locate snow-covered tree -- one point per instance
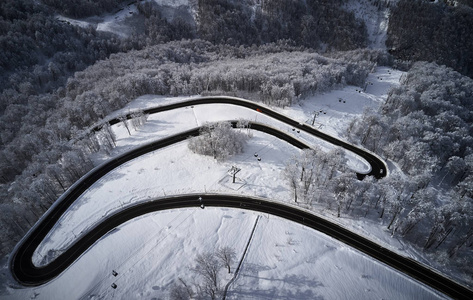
(218, 140)
(311, 171)
(138, 119)
(124, 120)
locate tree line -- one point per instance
(421, 30)
(317, 24)
(425, 129)
(46, 142)
(81, 9)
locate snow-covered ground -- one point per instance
(149, 176)
(172, 3)
(285, 260)
(112, 23)
(376, 19)
(119, 22)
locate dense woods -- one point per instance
(425, 128)
(318, 24)
(34, 168)
(80, 9)
(39, 52)
(57, 80)
(438, 32)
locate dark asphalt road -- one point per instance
(21, 261)
(29, 275)
(378, 167)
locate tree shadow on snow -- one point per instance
(289, 287)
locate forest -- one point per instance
(49, 144)
(428, 134)
(58, 80)
(425, 129)
(435, 32)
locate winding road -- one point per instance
(378, 167)
(26, 273)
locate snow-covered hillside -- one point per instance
(123, 24)
(375, 14)
(150, 253)
(196, 174)
(59, 80)
(113, 23)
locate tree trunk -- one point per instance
(430, 239)
(444, 237)
(396, 212)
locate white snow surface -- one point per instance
(115, 23)
(285, 260)
(74, 22)
(149, 176)
(376, 20)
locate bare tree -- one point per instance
(124, 121)
(226, 255)
(181, 291)
(106, 138)
(108, 132)
(291, 174)
(178, 292)
(138, 119)
(208, 267)
(312, 169)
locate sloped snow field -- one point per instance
(284, 260)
